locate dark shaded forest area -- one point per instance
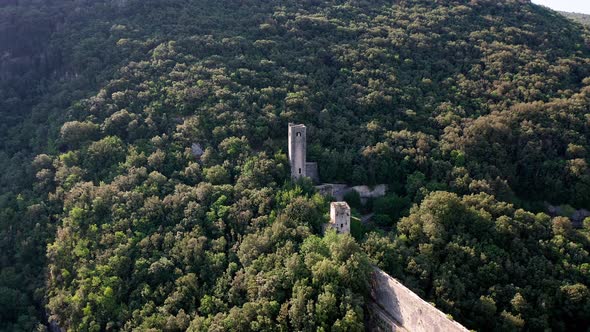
(475, 114)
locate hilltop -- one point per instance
(581, 18)
(475, 115)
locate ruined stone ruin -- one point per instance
(298, 154)
(340, 217)
(338, 191)
(393, 307)
(297, 149)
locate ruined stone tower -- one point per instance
(340, 217)
(297, 150)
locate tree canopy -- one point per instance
(474, 113)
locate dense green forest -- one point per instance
(580, 18)
(476, 114)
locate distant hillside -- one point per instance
(581, 18)
(475, 113)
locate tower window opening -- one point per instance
(300, 171)
(298, 134)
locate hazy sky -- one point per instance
(577, 6)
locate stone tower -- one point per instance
(297, 150)
(340, 217)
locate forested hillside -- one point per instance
(581, 18)
(475, 114)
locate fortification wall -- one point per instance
(407, 309)
(339, 190)
(311, 171)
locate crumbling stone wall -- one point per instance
(311, 171)
(397, 306)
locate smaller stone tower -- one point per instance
(297, 150)
(340, 217)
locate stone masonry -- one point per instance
(340, 217)
(396, 308)
(297, 150)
